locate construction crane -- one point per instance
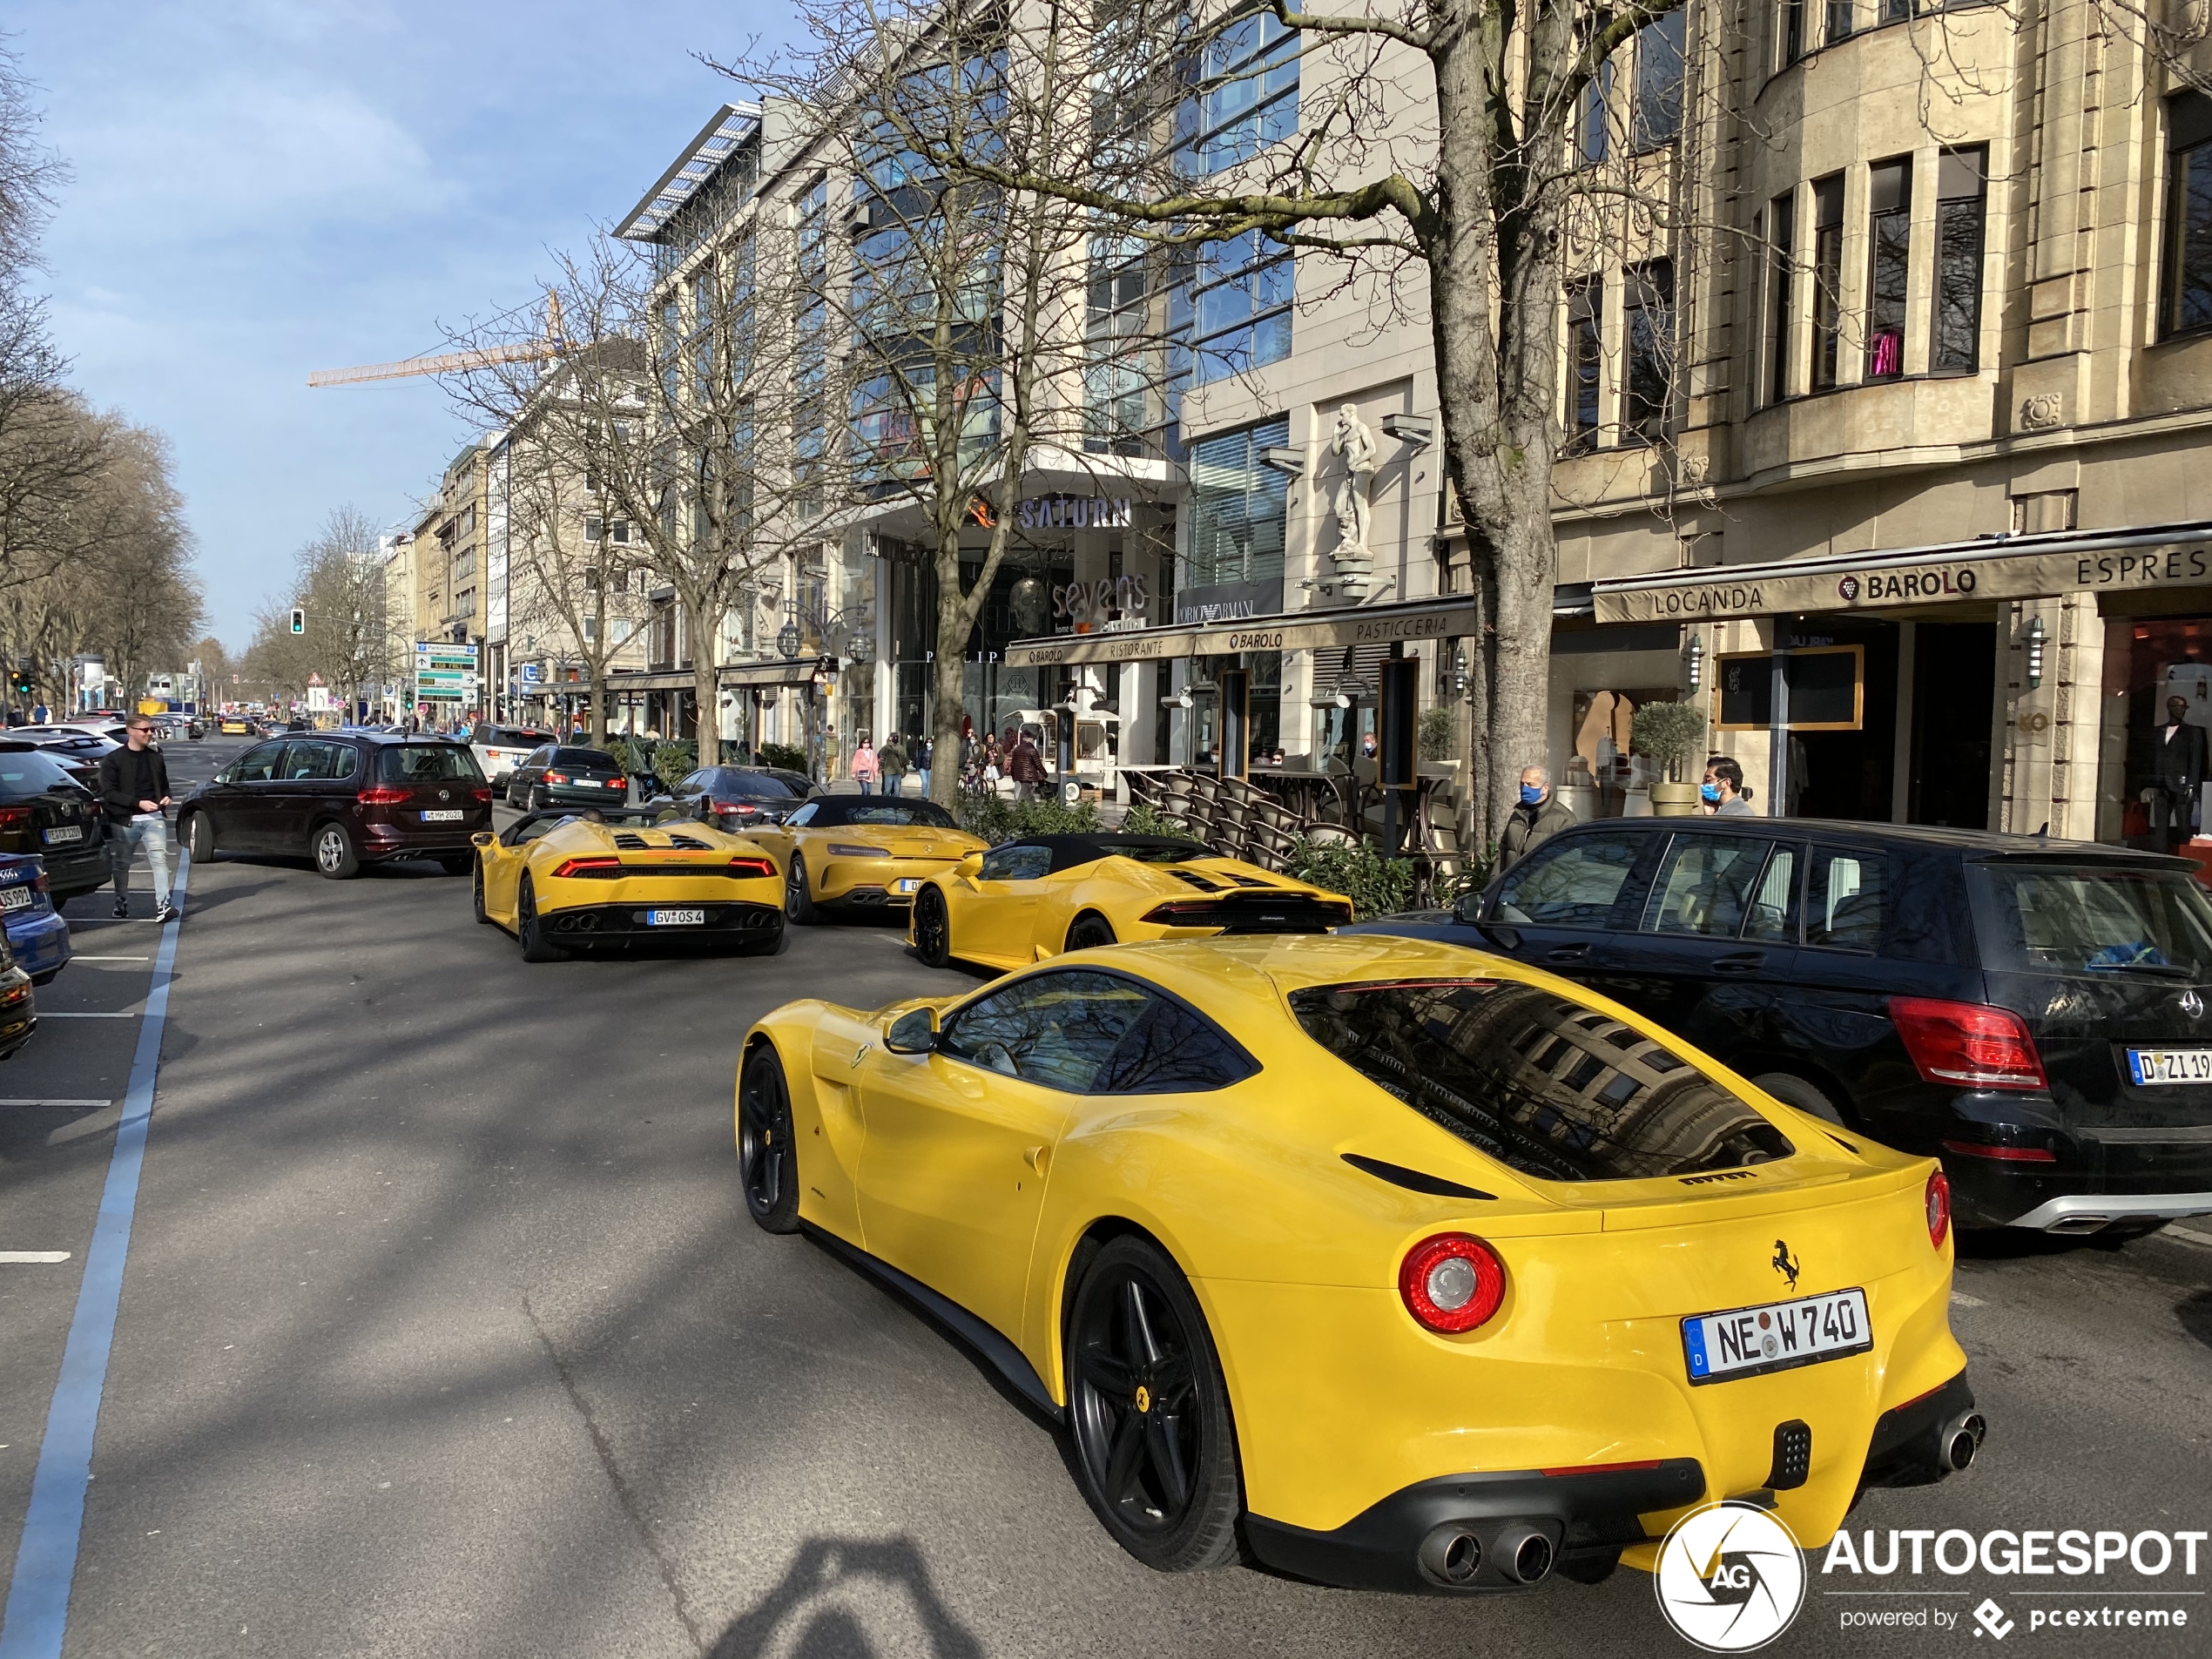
(551, 343)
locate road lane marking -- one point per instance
(2188, 1234)
(58, 1014)
(109, 959)
(37, 1615)
(33, 1256)
(93, 1104)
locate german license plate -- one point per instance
(907, 884)
(1776, 1336)
(2153, 1066)
(15, 898)
(675, 919)
(62, 836)
(443, 815)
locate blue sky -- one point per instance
(264, 189)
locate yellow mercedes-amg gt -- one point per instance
(1023, 901)
(573, 878)
(862, 852)
(1432, 1270)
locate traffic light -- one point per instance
(24, 681)
(298, 620)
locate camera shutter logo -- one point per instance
(1847, 589)
(1731, 1578)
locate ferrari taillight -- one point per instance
(603, 866)
(746, 868)
(1938, 1200)
(1452, 1283)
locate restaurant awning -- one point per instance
(1995, 567)
(782, 671)
(1444, 618)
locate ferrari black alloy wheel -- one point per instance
(1154, 1443)
(767, 1162)
(530, 927)
(798, 898)
(933, 928)
(1090, 931)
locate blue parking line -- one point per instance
(37, 1611)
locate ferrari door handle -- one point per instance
(1741, 961)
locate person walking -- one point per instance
(1723, 790)
(923, 750)
(1539, 816)
(134, 797)
(864, 765)
(1026, 763)
(891, 763)
(993, 765)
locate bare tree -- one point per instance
(357, 633)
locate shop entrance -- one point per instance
(1954, 691)
(1841, 692)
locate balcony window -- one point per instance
(1827, 277)
(2189, 214)
(1656, 114)
(1889, 238)
(1791, 30)
(1591, 136)
(1648, 319)
(1585, 362)
(1782, 221)
(1840, 21)
(1961, 194)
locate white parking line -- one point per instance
(111, 959)
(2188, 1235)
(33, 1256)
(60, 1015)
(56, 1101)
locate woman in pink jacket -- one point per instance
(864, 766)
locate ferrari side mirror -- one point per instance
(482, 838)
(913, 1032)
(969, 865)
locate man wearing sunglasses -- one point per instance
(134, 795)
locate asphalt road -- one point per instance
(444, 1333)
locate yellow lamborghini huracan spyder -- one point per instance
(1434, 1271)
(571, 878)
(862, 852)
(1024, 900)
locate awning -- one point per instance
(619, 679)
(1446, 618)
(1996, 567)
(790, 671)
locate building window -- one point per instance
(2189, 212)
(1839, 21)
(1585, 362)
(1648, 319)
(1781, 218)
(1245, 98)
(1888, 264)
(1792, 31)
(1827, 277)
(1116, 327)
(809, 426)
(1238, 507)
(1654, 117)
(701, 347)
(1896, 11)
(1961, 177)
(1590, 124)
(1232, 304)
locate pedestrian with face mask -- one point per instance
(1722, 791)
(1539, 816)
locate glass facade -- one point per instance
(1238, 509)
(1231, 303)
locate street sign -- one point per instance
(444, 671)
(533, 673)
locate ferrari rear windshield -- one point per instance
(872, 809)
(1546, 1087)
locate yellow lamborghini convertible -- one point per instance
(1024, 900)
(1413, 1268)
(862, 852)
(571, 878)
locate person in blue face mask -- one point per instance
(1538, 817)
(1723, 788)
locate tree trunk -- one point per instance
(948, 674)
(597, 676)
(706, 689)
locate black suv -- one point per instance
(2037, 1014)
(344, 799)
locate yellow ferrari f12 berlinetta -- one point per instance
(1398, 1264)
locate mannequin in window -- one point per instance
(2178, 766)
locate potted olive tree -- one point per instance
(1669, 733)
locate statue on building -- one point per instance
(1355, 445)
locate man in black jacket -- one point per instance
(134, 795)
(1538, 817)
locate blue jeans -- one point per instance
(867, 784)
(891, 781)
(923, 774)
(147, 830)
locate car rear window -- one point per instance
(2049, 919)
(513, 737)
(32, 774)
(1545, 1086)
(757, 784)
(427, 763)
(588, 760)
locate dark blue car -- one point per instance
(36, 932)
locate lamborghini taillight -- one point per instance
(746, 869)
(588, 867)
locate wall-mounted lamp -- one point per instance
(1696, 660)
(1291, 461)
(1416, 429)
(2034, 652)
(1459, 672)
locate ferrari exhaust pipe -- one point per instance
(1451, 1555)
(1524, 1554)
(1959, 1439)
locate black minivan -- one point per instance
(344, 799)
(2037, 1014)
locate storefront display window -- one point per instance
(2151, 768)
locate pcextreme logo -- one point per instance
(1730, 1578)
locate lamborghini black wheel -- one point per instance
(1090, 932)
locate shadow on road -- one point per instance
(2196, 1316)
(851, 1598)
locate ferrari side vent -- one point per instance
(1414, 1180)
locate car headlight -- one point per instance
(849, 850)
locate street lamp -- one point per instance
(2034, 652)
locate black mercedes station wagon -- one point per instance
(2037, 1014)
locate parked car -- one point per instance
(344, 799)
(38, 937)
(732, 798)
(80, 752)
(557, 775)
(2038, 1013)
(499, 749)
(19, 1004)
(45, 811)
